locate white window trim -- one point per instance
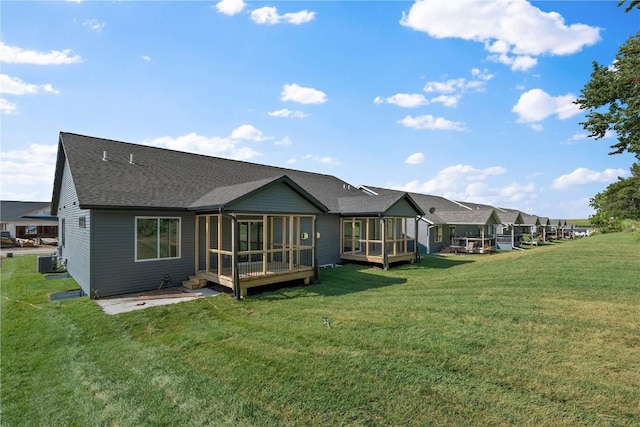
(158, 218)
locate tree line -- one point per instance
(612, 100)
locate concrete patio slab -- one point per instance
(142, 300)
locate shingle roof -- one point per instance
(426, 202)
(16, 211)
(510, 216)
(473, 217)
(222, 196)
(529, 219)
(373, 205)
(162, 178)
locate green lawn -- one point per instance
(548, 336)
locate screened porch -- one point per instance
(379, 240)
(242, 251)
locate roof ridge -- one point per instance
(204, 155)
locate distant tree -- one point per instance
(616, 86)
(620, 200)
(612, 100)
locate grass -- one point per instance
(548, 336)
(582, 222)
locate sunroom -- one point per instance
(249, 242)
(379, 229)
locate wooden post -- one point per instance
(316, 270)
(290, 242)
(207, 240)
(219, 247)
(366, 241)
(385, 257)
(265, 222)
(235, 235)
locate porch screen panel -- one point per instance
(226, 234)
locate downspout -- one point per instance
(417, 241)
(385, 256)
(316, 270)
(429, 238)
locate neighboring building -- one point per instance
(447, 223)
(28, 220)
(131, 215)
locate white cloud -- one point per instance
(7, 107)
(415, 159)
(15, 86)
(230, 7)
(537, 127)
(536, 105)
(451, 90)
(447, 86)
(247, 132)
(303, 95)
(429, 122)
(146, 58)
(583, 176)
(94, 24)
(16, 55)
(452, 179)
(285, 112)
(284, 141)
(467, 183)
(211, 146)
(291, 161)
(406, 100)
(26, 174)
(514, 32)
(517, 63)
(447, 100)
(326, 160)
(269, 15)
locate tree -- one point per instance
(618, 88)
(620, 200)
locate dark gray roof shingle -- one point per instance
(426, 202)
(161, 178)
(15, 210)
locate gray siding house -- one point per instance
(132, 215)
(448, 223)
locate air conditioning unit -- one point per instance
(46, 264)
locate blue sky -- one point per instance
(471, 100)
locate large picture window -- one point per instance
(157, 238)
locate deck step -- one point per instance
(195, 283)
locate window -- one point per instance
(157, 238)
(438, 236)
(63, 232)
(82, 222)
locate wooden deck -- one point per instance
(378, 259)
(276, 272)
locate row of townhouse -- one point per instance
(131, 215)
